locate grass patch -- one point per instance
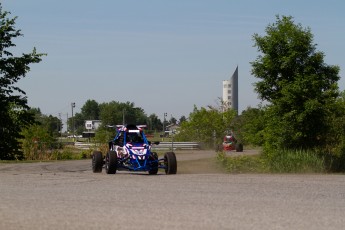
(283, 161)
(296, 161)
(242, 164)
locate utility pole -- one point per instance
(165, 114)
(67, 123)
(60, 125)
(73, 105)
(123, 116)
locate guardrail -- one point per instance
(84, 145)
(177, 145)
(161, 146)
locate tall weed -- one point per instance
(296, 161)
(280, 161)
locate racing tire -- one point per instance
(154, 166)
(97, 162)
(239, 147)
(111, 162)
(170, 163)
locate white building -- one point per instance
(91, 126)
(230, 92)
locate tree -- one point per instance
(116, 113)
(300, 88)
(155, 123)
(206, 125)
(182, 119)
(13, 103)
(90, 110)
(172, 121)
(250, 125)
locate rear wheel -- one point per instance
(97, 162)
(170, 163)
(239, 147)
(154, 165)
(111, 162)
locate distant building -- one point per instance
(171, 130)
(91, 126)
(230, 92)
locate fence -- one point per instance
(176, 146)
(161, 146)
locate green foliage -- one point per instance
(242, 164)
(50, 123)
(37, 142)
(299, 86)
(250, 126)
(70, 154)
(14, 110)
(154, 123)
(277, 161)
(116, 113)
(104, 135)
(296, 161)
(90, 110)
(206, 125)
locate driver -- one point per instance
(134, 137)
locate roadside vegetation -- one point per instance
(300, 125)
(284, 161)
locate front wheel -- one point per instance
(111, 162)
(154, 164)
(170, 163)
(97, 162)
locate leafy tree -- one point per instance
(155, 123)
(249, 126)
(52, 125)
(115, 113)
(13, 103)
(79, 124)
(206, 125)
(299, 86)
(182, 119)
(172, 121)
(90, 110)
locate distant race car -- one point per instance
(130, 150)
(230, 143)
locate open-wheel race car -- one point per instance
(130, 150)
(230, 143)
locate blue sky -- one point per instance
(163, 55)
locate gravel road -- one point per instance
(67, 195)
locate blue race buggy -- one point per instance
(130, 150)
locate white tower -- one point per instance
(230, 92)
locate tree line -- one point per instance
(117, 113)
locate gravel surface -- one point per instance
(67, 195)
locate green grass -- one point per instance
(296, 161)
(283, 161)
(242, 164)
